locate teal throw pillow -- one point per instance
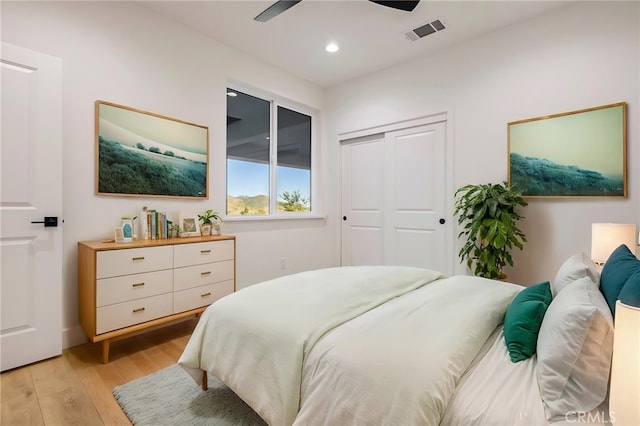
(630, 294)
(523, 320)
(620, 266)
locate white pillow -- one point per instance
(577, 266)
(574, 350)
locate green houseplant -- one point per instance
(208, 221)
(489, 216)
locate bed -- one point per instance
(408, 346)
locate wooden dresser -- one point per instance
(127, 288)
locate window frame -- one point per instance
(276, 101)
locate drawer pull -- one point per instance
(205, 251)
(138, 310)
(205, 273)
(138, 258)
(206, 294)
(137, 285)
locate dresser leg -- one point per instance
(205, 382)
(105, 351)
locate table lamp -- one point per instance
(606, 237)
(624, 397)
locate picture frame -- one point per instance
(143, 154)
(118, 235)
(579, 153)
(189, 225)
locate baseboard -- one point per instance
(73, 336)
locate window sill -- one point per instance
(273, 217)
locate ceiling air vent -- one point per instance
(424, 30)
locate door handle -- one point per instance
(49, 221)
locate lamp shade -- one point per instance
(606, 237)
(624, 398)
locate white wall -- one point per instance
(584, 55)
(579, 56)
(123, 53)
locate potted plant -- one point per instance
(490, 218)
(208, 221)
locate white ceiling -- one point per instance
(371, 36)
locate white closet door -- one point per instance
(415, 197)
(362, 201)
(394, 199)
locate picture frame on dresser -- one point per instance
(189, 225)
(144, 154)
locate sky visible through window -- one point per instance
(248, 178)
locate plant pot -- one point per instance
(205, 230)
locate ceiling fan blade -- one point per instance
(275, 9)
(399, 4)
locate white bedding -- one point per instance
(256, 340)
(497, 392)
(399, 364)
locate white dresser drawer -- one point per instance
(124, 314)
(200, 296)
(199, 253)
(209, 273)
(132, 287)
(113, 263)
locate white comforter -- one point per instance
(399, 363)
(256, 340)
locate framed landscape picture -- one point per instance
(143, 154)
(573, 154)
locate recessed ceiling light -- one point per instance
(232, 94)
(332, 47)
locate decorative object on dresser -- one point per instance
(123, 289)
(209, 221)
(188, 225)
(490, 218)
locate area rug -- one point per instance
(171, 397)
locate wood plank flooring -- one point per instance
(76, 387)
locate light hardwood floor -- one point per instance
(76, 387)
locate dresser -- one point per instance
(126, 288)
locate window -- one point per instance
(268, 157)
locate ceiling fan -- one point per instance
(281, 5)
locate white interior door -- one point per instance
(31, 189)
(394, 198)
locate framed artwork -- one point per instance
(143, 154)
(573, 154)
(189, 225)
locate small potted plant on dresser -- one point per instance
(209, 223)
